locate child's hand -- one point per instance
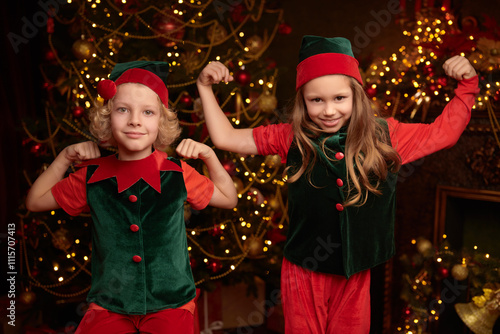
(191, 149)
(459, 68)
(214, 73)
(82, 151)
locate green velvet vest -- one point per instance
(140, 261)
(323, 236)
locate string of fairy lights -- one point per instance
(105, 29)
(407, 82)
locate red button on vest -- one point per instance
(132, 198)
(134, 228)
(340, 183)
(137, 258)
(339, 207)
(339, 155)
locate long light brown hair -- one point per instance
(369, 155)
(100, 124)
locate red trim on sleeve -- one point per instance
(273, 139)
(71, 193)
(199, 187)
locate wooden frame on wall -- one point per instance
(443, 193)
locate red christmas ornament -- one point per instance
(35, 271)
(372, 92)
(237, 14)
(50, 25)
(271, 63)
(169, 29)
(78, 111)
(229, 166)
(444, 272)
(47, 85)
(214, 265)
(38, 149)
(192, 263)
(284, 29)
(242, 77)
(443, 81)
(50, 55)
(275, 235)
(215, 231)
(186, 100)
(26, 141)
(429, 70)
(496, 97)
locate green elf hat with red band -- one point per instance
(320, 56)
(152, 74)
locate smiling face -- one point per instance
(134, 120)
(329, 101)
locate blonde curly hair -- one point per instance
(100, 124)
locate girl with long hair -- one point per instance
(341, 164)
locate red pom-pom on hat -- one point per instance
(106, 89)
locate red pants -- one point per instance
(324, 303)
(174, 321)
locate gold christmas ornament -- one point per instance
(459, 272)
(268, 102)
(62, 239)
(83, 49)
(238, 184)
(216, 33)
(490, 50)
(198, 108)
(274, 203)
(254, 44)
(192, 60)
(423, 245)
(27, 297)
(273, 161)
(255, 247)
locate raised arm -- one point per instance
(224, 195)
(40, 197)
(416, 140)
(223, 134)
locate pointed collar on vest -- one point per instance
(127, 173)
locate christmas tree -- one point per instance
(85, 39)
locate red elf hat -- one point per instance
(152, 74)
(320, 56)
